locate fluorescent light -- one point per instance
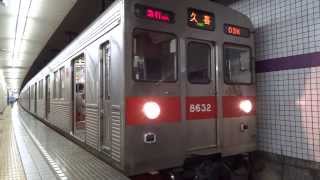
(24, 8)
(37, 8)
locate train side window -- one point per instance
(198, 63)
(41, 89)
(61, 82)
(237, 64)
(35, 91)
(155, 56)
(55, 84)
(31, 92)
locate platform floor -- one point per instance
(30, 150)
(10, 162)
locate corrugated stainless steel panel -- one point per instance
(31, 106)
(92, 125)
(61, 114)
(116, 133)
(41, 108)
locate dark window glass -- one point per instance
(35, 90)
(40, 90)
(61, 83)
(55, 85)
(31, 92)
(155, 56)
(198, 62)
(237, 64)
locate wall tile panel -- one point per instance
(288, 98)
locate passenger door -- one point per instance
(47, 96)
(35, 97)
(29, 98)
(105, 96)
(79, 97)
(201, 96)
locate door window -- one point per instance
(198, 62)
(106, 63)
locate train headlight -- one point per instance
(151, 110)
(246, 106)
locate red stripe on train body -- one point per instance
(169, 110)
(197, 108)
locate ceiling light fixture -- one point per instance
(24, 8)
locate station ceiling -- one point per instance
(37, 30)
(26, 26)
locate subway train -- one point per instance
(151, 84)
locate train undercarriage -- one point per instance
(213, 167)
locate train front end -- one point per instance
(190, 88)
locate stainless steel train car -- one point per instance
(152, 83)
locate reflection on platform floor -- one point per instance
(10, 163)
(35, 165)
(68, 160)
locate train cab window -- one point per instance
(155, 56)
(237, 61)
(198, 62)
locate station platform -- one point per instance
(30, 150)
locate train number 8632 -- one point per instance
(200, 108)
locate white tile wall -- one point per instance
(283, 27)
(288, 104)
(288, 101)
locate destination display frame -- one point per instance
(154, 14)
(200, 19)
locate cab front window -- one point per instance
(154, 56)
(237, 64)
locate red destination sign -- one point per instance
(236, 31)
(155, 14)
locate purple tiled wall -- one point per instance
(287, 63)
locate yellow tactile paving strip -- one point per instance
(11, 167)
